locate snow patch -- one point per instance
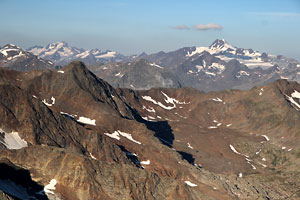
(12, 140)
(146, 162)
(69, 115)
(150, 109)
(240, 175)
(190, 184)
(87, 120)
(266, 137)
(51, 186)
(216, 99)
(147, 119)
(107, 55)
(293, 102)
(189, 146)
(249, 162)
(93, 157)
(228, 125)
(119, 74)
(235, 151)
(258, 152)
(167, 100)
(210, 127)
(296, 94)
(49, 104)
(60, 71)
(116, 135)
(263, 165)
(155, 65)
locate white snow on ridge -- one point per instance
(210, 73)
(147, 162)
(93, 157)
(216, 99)
(150, 109)
(190, 184)
(254, 62)
(189, 146)
(167, 100)
(148, 119)
(60, 71)
(69, 115)
(129, 137)
(116, 135)
(87, 120)
(216, 66)
(235, 151)
(198, 51)
(109, 54)
(119, 74)
(49, 104)
(266, 137)
(243, 73)
(13, 141)
(51, 186)
(210, 127)
(296, 94)
(293, 101)
(156, 65)
(148, 98)
(249, 162)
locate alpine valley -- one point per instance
(209, 123)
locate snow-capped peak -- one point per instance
(57, 45)
(11, 51)
(61, 53)
(226, 52)
(220, 45)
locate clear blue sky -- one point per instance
(134, 26)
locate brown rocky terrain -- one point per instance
(73, 136)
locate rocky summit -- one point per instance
(67, 134)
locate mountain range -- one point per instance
(217, 67)
(61, 54)
(67, 134)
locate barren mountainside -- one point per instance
(67, 134)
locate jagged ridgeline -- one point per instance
(218, 67)
(67, 134)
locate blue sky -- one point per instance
(134, 26)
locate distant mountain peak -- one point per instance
(57, 45)
(11, 46)
(61, 53)
(220, 44)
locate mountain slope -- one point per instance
(79, 138)
(140, 75)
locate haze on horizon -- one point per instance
(135, 26)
